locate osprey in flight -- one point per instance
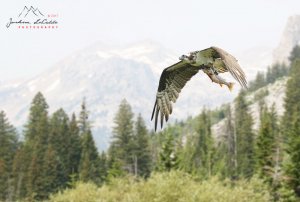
(211, 61)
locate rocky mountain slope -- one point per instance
(272, 94)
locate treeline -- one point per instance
(56, 151)
(274, 72)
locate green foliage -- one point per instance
(36, 136)
(244, 138)
(122, 138)
(8, 148)
(198, 157)
(168, 157)
(272, 74)
(291, 126)
(275, 72)
(36, 128)
(266, 139)
(259, 82)
(167, 187)
(84, 123)
(52, 153)
(269, 150)
(218, 114)
(230, 160)
(260, 95)
(103, 167)
(19, 171)
(89, 165)
(74, 147)
(89, 161)
(295, 54)
(53, 172)
(141, 150)
(59, 133)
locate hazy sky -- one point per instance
(181, 26)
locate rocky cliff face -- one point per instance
(290, 37)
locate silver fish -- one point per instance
(217, 79)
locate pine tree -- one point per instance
(267, 143)
(53, 172)
(197, 155)
(8, 148)
(20, 171)
(259, 82)
(204, 148)
(103, 167)
(244, 138)
(186, 154)
(114, 167)
(74, 147)
(58, 148)
(122, 138)
(84, 123)
(168, 158)
(36, 137)
(276, 71)
(141, 158)
(291, 126)
(89, 161)
(295, 54)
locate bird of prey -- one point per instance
(211, 61)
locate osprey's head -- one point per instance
(189, 59)
(183, 57)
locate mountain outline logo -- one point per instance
(33, 10)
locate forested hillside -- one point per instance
(57, 159)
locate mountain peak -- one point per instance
(290, 37)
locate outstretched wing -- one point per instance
(232, 65)
(171, 81)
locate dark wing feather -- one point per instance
(171, 81)
(232, 66)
